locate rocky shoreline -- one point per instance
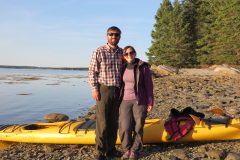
(200, 91)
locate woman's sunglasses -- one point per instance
(116, 34)
(130, 53)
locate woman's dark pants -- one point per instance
(131, 121)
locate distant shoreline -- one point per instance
(44, 68)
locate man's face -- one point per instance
(113, 37)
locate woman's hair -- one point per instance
(125, 50)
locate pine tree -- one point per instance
(156, 54)
(174, 40)
(221, 44)
(204, 30)
(205, 19)
(191, 19)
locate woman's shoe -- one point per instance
(133, 156)
(126, 155)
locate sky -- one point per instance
(64, 33)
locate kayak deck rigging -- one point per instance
(4, 128)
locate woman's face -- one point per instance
(130, 55)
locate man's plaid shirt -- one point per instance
(105, 67)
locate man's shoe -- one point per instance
(114, 153)
(99, 157)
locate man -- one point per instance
(104, 79)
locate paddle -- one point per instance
(195, 118)
(219, 112)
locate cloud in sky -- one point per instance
(61, 33)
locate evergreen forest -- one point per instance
(193, 33)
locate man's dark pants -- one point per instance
(107, 112)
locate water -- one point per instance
(43, 72)
(48, 91)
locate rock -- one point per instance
(217, 154)
(226, 72)
(173, 87)
(173, 70)
(180, 153)
(82, 118)
(226, 66)
(200, 155)
(169, 157)
(153, 66)
(166, 70)
(214, 66)
(208, 114)
(202, 107)
(40, 155)
(88, 114)
(218, 104)
(68, 153)
(83, 150)
(93, 116)
(232, 111)
(220, 67)
(153, 74)
(93, 109)
(163, 70)
(51, 147)
(55, 117)
(232, 156)
(196, 158)
(202, 150)
(219, 94)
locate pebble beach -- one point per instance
(196, 88)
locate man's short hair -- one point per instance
(114, 28)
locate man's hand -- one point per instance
(96, 95)
(149, 108)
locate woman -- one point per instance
(137, 98)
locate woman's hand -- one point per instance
(149, 108)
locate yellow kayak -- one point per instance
(77, 132)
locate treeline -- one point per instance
(196, 32)
(50, 68)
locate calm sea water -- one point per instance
(55, 91)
